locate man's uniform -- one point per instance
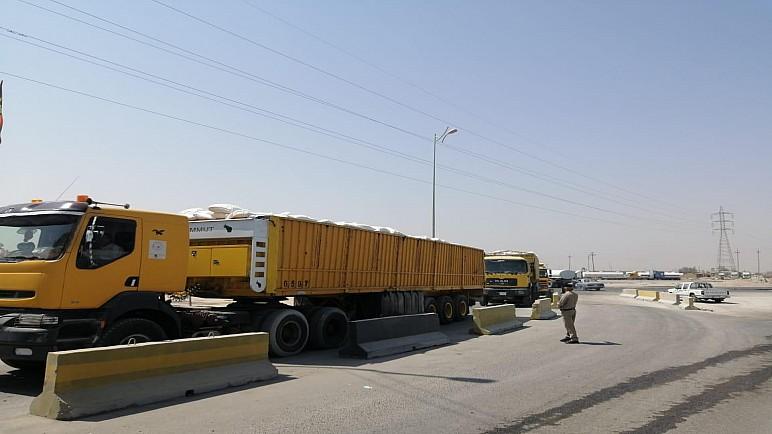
(567, 305)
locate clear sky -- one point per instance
(609, 126)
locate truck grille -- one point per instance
(5, 293)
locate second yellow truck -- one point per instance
(512, 277)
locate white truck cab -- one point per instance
(701, 291)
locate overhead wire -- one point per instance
(227, 68)
(215, 64)
(289, 120)
(374, 92)
(297, 149)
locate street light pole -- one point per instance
(569, 262)
(440, 139)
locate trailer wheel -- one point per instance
(462, 307)
(430, 305)
(385, 304)
(132, 331)
(446, 309)
(328, 328)
(31, 366)
(287, 332)
(400, 303)
(393, 299)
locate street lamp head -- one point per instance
(448, 131)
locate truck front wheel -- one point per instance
(132, 331)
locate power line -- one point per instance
(241, 73)
(407, 82)
(296, 122)
(299, 150)
(195, 57)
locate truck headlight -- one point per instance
(22, 351)
(36, 320)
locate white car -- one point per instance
(588, 285)
(700, 291)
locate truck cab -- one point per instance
(511, 277)
(73, 273)
(701, 291)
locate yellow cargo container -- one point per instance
(281, 256)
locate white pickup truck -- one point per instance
(701, 291)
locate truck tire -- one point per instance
(446, 309)
(462, 307)
(287, 332)
(385, 304)
(31, 366)
(328, 328)
(393, 299)
(400, 308)
(430, 305)
(132, 331)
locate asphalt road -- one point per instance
(642, 367)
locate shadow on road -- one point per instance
(457, 332)
(599, 343)
(180, 401)
(329, 359)
(406, 374)
(21, 383)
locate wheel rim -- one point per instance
(290, 334)
(134, 338)
(431, 308)
(448, 310)
(463, 308)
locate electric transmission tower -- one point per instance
(723, 223)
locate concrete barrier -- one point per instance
(379, 337)
(96, 380)
(493, 320)
(668, 298)
(647, 295)
(542, 310)
(629, 293)
(689, 304)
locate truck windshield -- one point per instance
(505, 266)
(36, 236)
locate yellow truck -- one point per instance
(79, 274)
(511, 277)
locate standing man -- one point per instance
(567, 305)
